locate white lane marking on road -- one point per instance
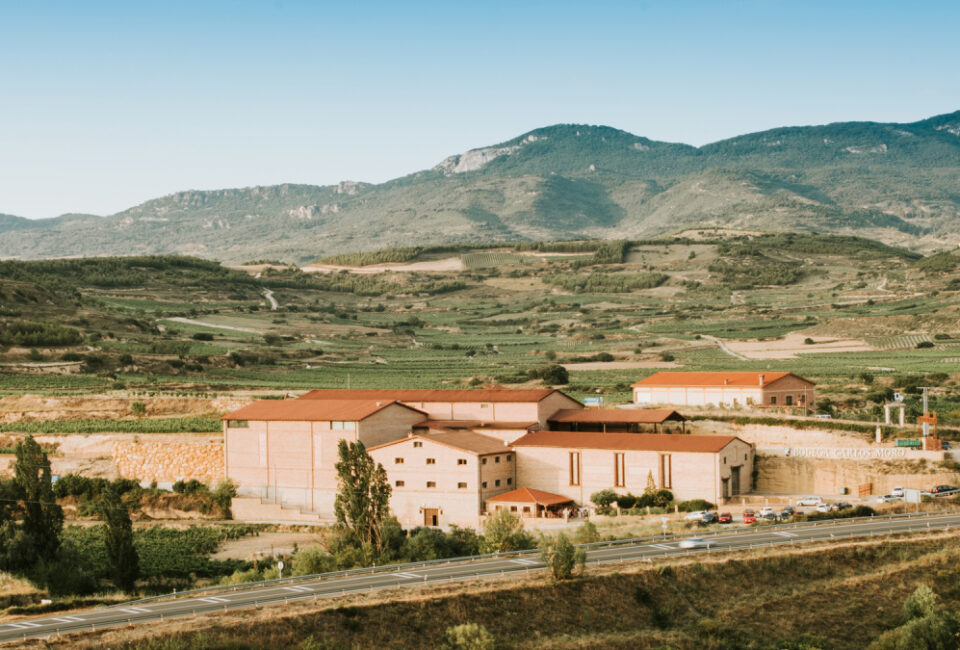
(302, 590)
(786, 534)
(135, 610)
(214, 599)
(662, 547)
(524, 562)
(24, 625)
(68, 619)
(407, 575)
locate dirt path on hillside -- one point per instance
(268, 294)
(191, 321)
(446, 264)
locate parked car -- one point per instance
(726, 518)
(946, 444)
(940, 489)
(770, 516)
(823, 507)
(897, 491)
(766, 510)
(823, 416)
(749, 517)
(696, 515)
(787, 512)
(889, 498)
(695, 542)
(841, 505)
(809, 501)
(798, 513)
(708, 518)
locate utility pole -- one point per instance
(926, 412)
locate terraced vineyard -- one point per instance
(490, 260)
(898, 342)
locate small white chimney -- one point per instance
(762, 377)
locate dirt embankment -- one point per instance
(18, 408)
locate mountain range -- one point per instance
(898, 183)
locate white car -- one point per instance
(766, 510)
(809, 501)
(823, 507)
(694, 516)
(897, 491)
(889, 498)
(695, 542)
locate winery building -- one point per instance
(729, 389)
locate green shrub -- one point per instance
(694, 505)
(468, 636)
(313, 560)
(604, 498)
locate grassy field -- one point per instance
(487, 324)
(826, 596)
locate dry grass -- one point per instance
(847, 594)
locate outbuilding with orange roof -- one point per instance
(730, 389)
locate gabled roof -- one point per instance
(711, 379)
(527, 495)
(312, 411)
(625, 441)
(435, 395)
(617, 416)
(473, 443)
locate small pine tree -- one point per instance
(651, 484)
(121, 553)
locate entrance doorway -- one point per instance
(735, 480)
(431, 517)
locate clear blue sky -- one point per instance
(104, 105)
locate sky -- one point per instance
(104, 105)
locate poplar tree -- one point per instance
(121, 553)
(363, 495)
(42, 517)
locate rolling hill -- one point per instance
(894, 182)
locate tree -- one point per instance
(562, 557)
(121, 553)
(922, 602)
(503, 532)
(651, 484)
(604, 498)
(586, 533)
(42, 517)
(363, 494)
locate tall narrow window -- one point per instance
(574, 468)
(619, 476)
(666, 472)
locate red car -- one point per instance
(749, 517)
(726, 518)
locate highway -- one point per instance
(330, 585)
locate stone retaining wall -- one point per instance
(170, 460)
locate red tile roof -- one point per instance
(313, 411)
(625, 441)
(434, 395)
(618, 416)
(474, 443)
(701, 379)
(527, 495)
(476, 424)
